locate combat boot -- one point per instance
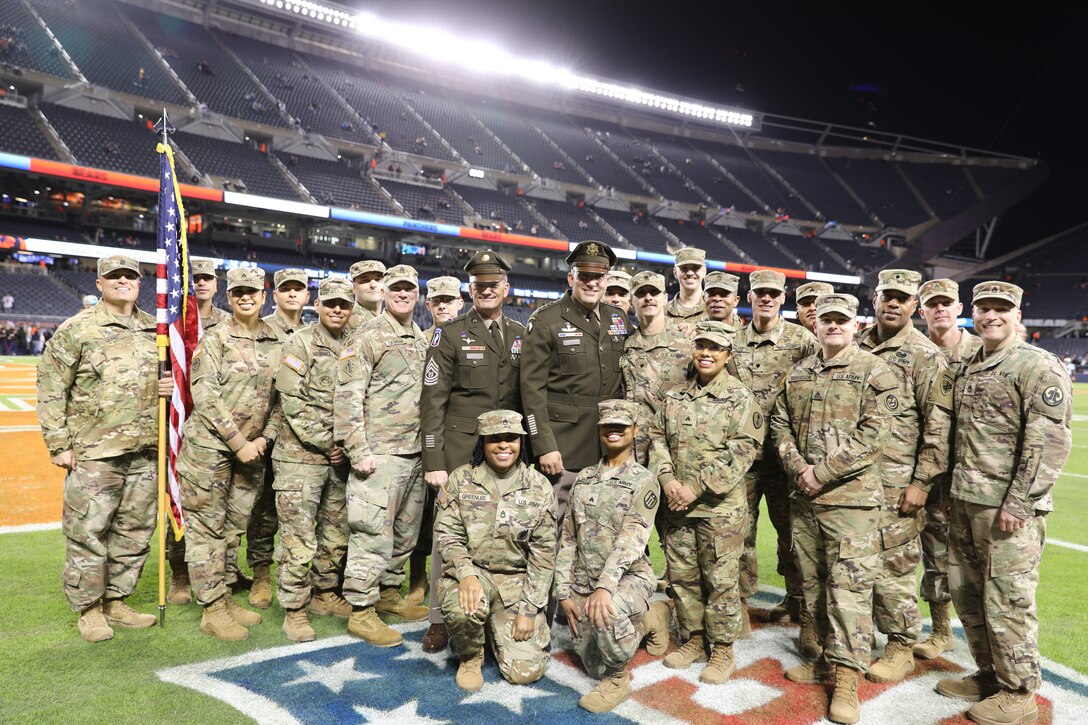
(436, 638)
(972, 688)
(470, 676)
(789, 609)
(260, 591)
(179, 584)
(807, 640)
(296, 625)
(120, 614)
(1007, 707)
(608, 693)
(393, 603)
(417, 578)
(365, 625)
(721, 666)
(242, 616)
(811, 673)
(896, 663)
(694, 650)
(844, 701)
(330, 603)
(93, 626)
(656, 625)
(745, 621)
(940, 639)
(238, 581)
(217, 622)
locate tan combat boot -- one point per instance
(844, 701)
(260, 591)
(120, 614)
(745, 621)
(330, 603)
(694, 650)
(393, 603)
(811, 673)
(296, 625)
(972, 688)
(721, 666)
(608, 693)
(655, 623)
(807, 640)
(93, 626)
(242, 616)
(179, 585)
(1007, 707)
(217, 622)
(365, 625)
(940, 639)
(417, 578)
(896, 663)
(470, 675)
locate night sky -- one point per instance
(1008, 82)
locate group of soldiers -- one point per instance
(531, 463)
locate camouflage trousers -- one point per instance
(263, 523)
(767, 480)
(217, 494)
(607, 651)
(108, 520)
(838, 551)
(935, 551)
(311, 504)
(384, 510)
(994, 575)
(895, 597)
(702, 557)
(519, 662)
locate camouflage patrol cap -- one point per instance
(116, 262)
(690, 255)
(291, 274)
(767, 279)
(252, 277)
(714, 331)
(498, 422)
(813, 289)
(998, 290)
(335, 288)
(939, 288)
(366, 265)
(721, 280)
(592, 255)
(205, 267)
(617, 412)
(443, 287)
(618, 278)
(486, 266)
(838, 302)
(904, 280)
(400, 273)
(648, 279)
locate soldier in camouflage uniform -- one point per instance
(805, 297)
(830, 421)
(916, 457)
(689, 269)
(367, 278)
(97, 396)
(310, 484)
(496, 526)
(377, 424)
(617, 290)
(602, 572)
(764, 351)
(940, 308)
(720, 294)
(1013, 436)
(705, 438)
(221, 464)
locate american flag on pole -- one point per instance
(178, 320)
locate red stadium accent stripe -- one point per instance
(116, 178)
(518, 239)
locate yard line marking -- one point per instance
(26, 528)
(18, 428)
(1068, 545)
(1074, 475)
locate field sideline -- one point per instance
(48, 674)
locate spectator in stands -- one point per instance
(7, 338)
(88, 301)
(204, 67)
(8, 302)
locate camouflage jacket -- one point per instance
(231, 379)
(919, 450)
(958, 355)
(98, 385)
(306, 383)
(282, 327)
(691, 315)
(606, 530)
(376, 408)
(1013, 429)
(707, 438)
(501, 526)
(216, 316)
(652, 365)
(359, 316)
(762, 359)
(836, 415)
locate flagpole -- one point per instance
(164, 529)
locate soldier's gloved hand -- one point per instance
(64, 459)
(599, 608)
(912, 499)
(166, 385)
(573, 615)
(337, 456)
(552, 463)
(366, 466)
(470, 594)
(248, 453)
(523, 628)
(436, 479)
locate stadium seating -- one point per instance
(757, 247)
(747, 170)
(811, 179)
(23, 227)
(38, 295)
(530, 146)
(105, 143)
(572, 222)
(860, 257)
(236, 161)
(811, 257)
(639, 231)
(590, 156)
(30, 47)
(21, 135)
(425, 202)
(335, 183)
(945, 188)
(496, 206)
(693, 235)
(882, 189)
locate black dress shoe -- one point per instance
(436, 638)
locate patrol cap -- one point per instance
(400, 273)
(593, 256)
(617, 412)
(721, 280)
(366, 265)
(691, 255)
(837, 302)
(648, 279)
(443, 287)
(252, 277)
(116, 262)
(292, 274)
(714, 331)
(204, 267)
(939, 288)
(335, 288)
(904, 280)
(813, 289)
(486, 266)
(498, 422)
(618, 278)
(998, 290)
(767, 279)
